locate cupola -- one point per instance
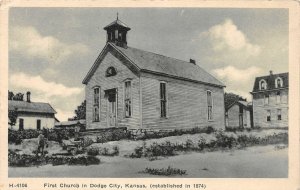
(116, 33)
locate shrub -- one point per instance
(201, 143)
(175, 132)
(138, 152)
(17, 136)
(53, 135)
(165, 171)
(116, 150)
(93, 151)
(87, 141)
(25, 160)
(224, 141)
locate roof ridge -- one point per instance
(29, 102)
(163, 55)
(273, 74)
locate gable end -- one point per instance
(109, 48)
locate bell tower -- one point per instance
(117, 32)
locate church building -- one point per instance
(137, 89)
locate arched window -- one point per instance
(111, 71)
(278, 82)
(262, 84)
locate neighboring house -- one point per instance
(70, 124)
(239, 114)
(32, 115)
(270, 100)
(129, 87)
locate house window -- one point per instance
(268, 115)
(111, 71)
(21, 124)
(116, 34)
(127, 99)
(266, 99)
(263, 85)
(278, 98)
(278, 114)
(278, 83)
(163, 100)
(96, 104)
(38, 124)
(209, 105)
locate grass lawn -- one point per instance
(252, 162)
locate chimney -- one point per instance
(193, 61)
(28, 96)
(271, 72)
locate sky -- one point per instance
(52, 49)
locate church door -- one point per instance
(112, 107)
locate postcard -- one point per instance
(149, 95)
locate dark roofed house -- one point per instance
(70, 124)
(270, 100)
(238, 112)
(32, 115)
(137, 89)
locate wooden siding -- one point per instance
(186, 104)
(260, 109)
(233, 119)
(30, 121)
(105, 83)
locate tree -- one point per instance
(80, 112)
(10, 95)
(12, 116)
(230, 98)
(18, 97)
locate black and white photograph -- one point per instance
(148, 92)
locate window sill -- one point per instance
(96, 121)
(211, 120)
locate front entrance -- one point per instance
(112, 97)
(241, 121)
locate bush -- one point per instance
(17, 136)
(25, 160)
(93, 151)
(154, 150)
(116, 150)
(201, 143)
(224, 141)
(165, 171)
(87, 141)
(175, 132)
(52, 134)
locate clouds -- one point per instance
(238, 81)
(37, 83)
(27, 41)
(64, 99)
(233, 57)
(227, 36)
(233, 74)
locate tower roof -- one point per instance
(117, 23)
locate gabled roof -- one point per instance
(70, 123)
(245, 104)
(270, 79)
(33, 107)
(117, 23)
(161, 65)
